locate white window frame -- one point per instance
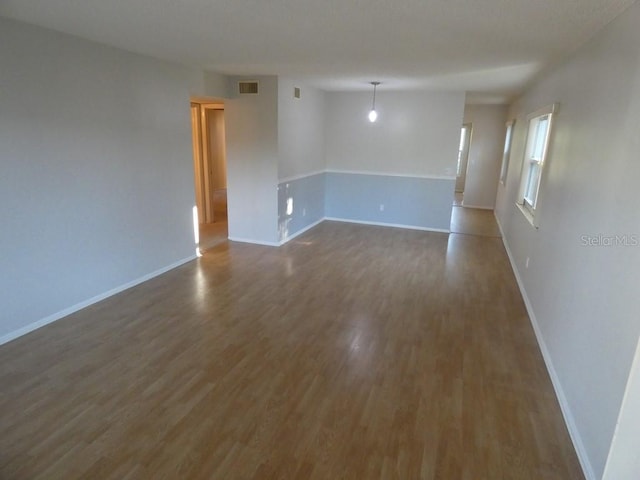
(528, 198)
(508, 140)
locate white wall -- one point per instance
(251, 124)
(205, 86)
(96, 182)
(301, 157)
(416, 133)
(301, 138)
(399, 171)
(485, 154)
(215, 85)
(584, 299)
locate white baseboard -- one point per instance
(300, 232)
(335, 219)
(361, 222)
(393, 225)
(79, 306)
(254, 242)
(478, 207)
(555, 380)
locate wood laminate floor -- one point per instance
(474, 221)
(213, 234)
(353, 352)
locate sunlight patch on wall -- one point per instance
(196, 230)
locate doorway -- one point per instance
(210, 172)
(463, 159)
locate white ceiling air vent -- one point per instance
(248, 87)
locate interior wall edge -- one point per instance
(301, 231)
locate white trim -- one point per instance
(546, 110)
(394, 225)
(479, 207)
(390, 174)
(300, 232)
(506, 153)
(255, 242)
(293, 178)
(335, 219)
(527, 161)
(528, 215)
(79, 306)
(569, 420)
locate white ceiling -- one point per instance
(491, 47)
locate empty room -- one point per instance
(319, 240)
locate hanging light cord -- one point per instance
(373, 115)
(375, 84)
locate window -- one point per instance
(535, 154)
(461, 148)
(504, 169)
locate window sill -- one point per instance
(527, 214)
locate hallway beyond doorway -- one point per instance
(474, 221)
(213, 234)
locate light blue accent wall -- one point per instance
(409, 201)
(308, 197)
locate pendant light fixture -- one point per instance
(373, 115)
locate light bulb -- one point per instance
(373, 116)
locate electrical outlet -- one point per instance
(304, 212)
(382, 207)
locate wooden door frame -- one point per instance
(207, 166)
(202, 162)
(198, 180)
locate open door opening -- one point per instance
(210, 172)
